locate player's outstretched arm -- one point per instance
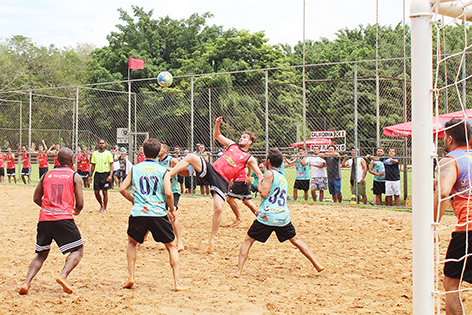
(125, 185)
(217, 134)
(79, 194)
(252, 165)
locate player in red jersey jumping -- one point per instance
(222, 171)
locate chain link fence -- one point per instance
(275, 104)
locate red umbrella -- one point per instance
(405, 129)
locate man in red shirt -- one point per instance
(2, 166)
(222, 171)
(140, 157)
(42, 160)
(10, 158)
(85, 161)
(59, 194)
(25, 157)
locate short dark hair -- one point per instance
(151, 147)
(459, 130)
(251, 136)
(275, 157)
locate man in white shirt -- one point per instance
(319, 180)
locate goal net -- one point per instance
(440, 44)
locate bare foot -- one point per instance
(237, 274)
(65, 286)
(180, 247)
(129, 284)
(211, 247)
(181, 288)
(320, 268)
(236, 222)
(23, 290)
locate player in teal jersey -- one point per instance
(153, 210)
(168, 162)
(273, 215)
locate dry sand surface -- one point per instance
(366, 252)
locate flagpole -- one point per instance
(129, 103)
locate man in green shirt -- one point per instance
(102, 165)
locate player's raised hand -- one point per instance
(219, 120)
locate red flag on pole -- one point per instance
(135, 63)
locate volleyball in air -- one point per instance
(165, 79)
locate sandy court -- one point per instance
(366, 252)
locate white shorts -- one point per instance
(392, 188)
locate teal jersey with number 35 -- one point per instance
(148, 190)
(273, 210)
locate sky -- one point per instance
(66, 23)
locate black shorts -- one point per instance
(180, 179)
(456, 250)
(176, 200)
(42, 171)
(160, 227)
(261, 232)
(217, 183)
(64, 232)
(202, 182)
(83, 174)
(120, 174)
(100, 181)
(240, 190)
(2, 171)
(302, 184)
(188, 182)
(379, 188)
(10, 172)
(25, 171)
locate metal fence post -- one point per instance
(266, 111)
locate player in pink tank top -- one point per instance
(59, 194)
(2, 166)
(221, 172)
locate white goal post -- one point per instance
(423, 14)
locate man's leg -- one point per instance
(190, 159)
(33, 270)
(218, 203)
(174, 263)
(105, 200)
(321, 195)
(99, 199)
(178, 234)
(23, 178)
(307, 252)
(250, 205)
(131, 257)
(338, 198)
(364, 199)
(313, 194)
(234, 207)
(295, 194)
(243, 254)
(388, 200)
(453, 300)
(397, 200)
(72, 261)
(306, 195)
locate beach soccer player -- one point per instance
(222, 171)
(102, 170)
(273, 215)
(153, 210)
(59, 194)
(10, 158)
(167, 161)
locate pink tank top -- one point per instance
(59, 197)
(232, 162)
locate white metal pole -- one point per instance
(422, 140)
(304, 82)
(29, 133)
